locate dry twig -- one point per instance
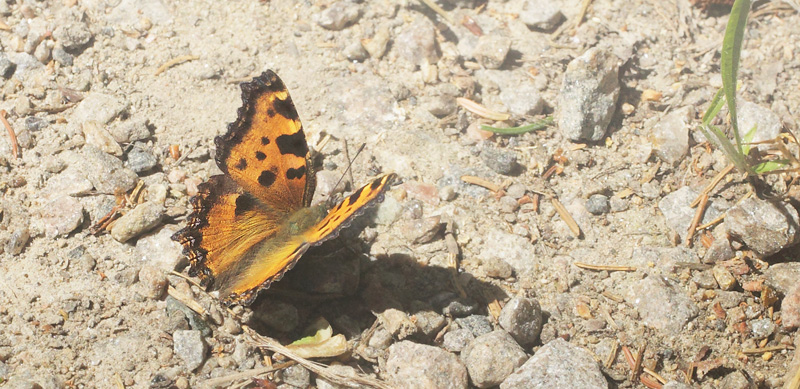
(175, 61)
(481, 182)
(603, 267)
(11, 134)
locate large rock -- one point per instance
(412, 365)
(558, 365)
(764, 226)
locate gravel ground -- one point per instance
(115, 105)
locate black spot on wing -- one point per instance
(241, 165)
(266, 178)
(260, 156)
(354, 197)
(294, 144)
(264, 140)
(293, 173)
(375, 185)
(271, 113)
(244, 203)
(285, 108)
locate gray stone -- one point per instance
(497, 268)
(73, 36)
(141, 158)
(153, 282)
(767, 124)
(398, 323)
(99, 107)
(62, 57)
(501, 161)
(456, 340)
(478, 324)
(762, 328)
(429, 323)
(450, 304)
(676, 385)
(522, 100)
(704, 279)
(97, 136)
(790, 310)
(516, 250)
(296, 376)
(492, 357)
(541, 15)
(588, 96)
(492, 50)
(6, 66)
(736, 380)
(413, 365)
(33, 123)
(522, 318)
(159, 250)
(516, 191)
(380, 339)
(130, 131)
(355, 51)
(677, 209)
(137, 221)
(661, 304)
(17, 241)
(764, 226)
(670, 136)
(189, 346)
(26, 66)
(61, 216)
(783, 276)
(196, 322)
(440, 106)
(417, 43)
(597, 204)
(339, 15)
(421, 231)
(719, 251)
(72, 181)
(558, 365)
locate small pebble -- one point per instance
(61, 216)
(17, 241)
(413, 365)
(153, 282)
(398, 323)
(188, 345)
(501, 161)
(141, 158)
(97, 136)
(492, 50)
(724, 278)
(73, 36)
(417, 43)
(478, 324)
(137, 221)
(522, 318)
(456, 340)
(339, 15)
(447, 193)
(492, 357)
(516, 191)
(597, 204)
(508, 204)
(355, 52)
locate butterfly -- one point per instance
(251, 224)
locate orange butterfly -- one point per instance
(251, 225)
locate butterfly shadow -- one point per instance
(352, 291)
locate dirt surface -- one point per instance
(82, 309)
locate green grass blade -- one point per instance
(731, 50)
(748, 138)
(713, 109)
(520, 130)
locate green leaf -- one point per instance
(320, 330)
(731, 51)
(520, 130)
(748, 138)
(769, 166)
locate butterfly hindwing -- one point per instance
(265, 149)
(224, 224)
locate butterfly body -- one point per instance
(251, 224)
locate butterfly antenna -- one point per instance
(349, 164)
